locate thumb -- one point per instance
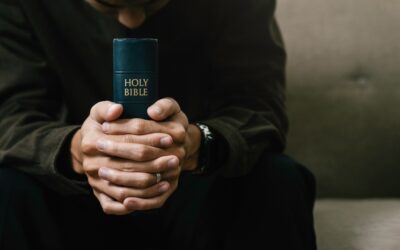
(106, 111)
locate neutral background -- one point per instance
(344, 93)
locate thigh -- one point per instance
(270, 207)
(182, 212)
(273, 207)
(34, 217)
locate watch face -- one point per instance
(208, 135)
(205, 148)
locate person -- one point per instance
(205, 171)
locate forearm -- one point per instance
(246, 135)
(246, 99)
(75, 153)
(36, 149)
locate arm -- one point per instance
(32, 124)
(246, 102)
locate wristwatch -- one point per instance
(205, 150)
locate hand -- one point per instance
(169, 119)
(131, 174)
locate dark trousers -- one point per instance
(271, 208)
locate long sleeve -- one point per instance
(246, 99)
(32, 123)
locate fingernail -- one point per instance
(104, 172)
(112, 109)
(173, 163)
(102, 144)
(156, 109)
(105, 126)
(164, 187)
(166, 141)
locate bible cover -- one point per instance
(135, 86)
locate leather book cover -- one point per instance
(135, 70)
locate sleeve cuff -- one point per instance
(67, 180)
(235, 163)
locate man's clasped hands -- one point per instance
(121, 157)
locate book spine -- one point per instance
(135, 75)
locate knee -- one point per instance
(286, 169)
(284, 176)
(16, 186)
(14, 180)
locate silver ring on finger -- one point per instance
(158, 177)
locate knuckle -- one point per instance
(144, 182)
(115, 178)
(158, 167)
(142, 152)
(122, 194)
(126, 166)
(108, 160)
(87, 146)
(181, 153)
(88, 167)
(128, 138)
(137, 126)
(180, 133)
(113, 147)
(141, 193)
(85, 164)
(154, 141)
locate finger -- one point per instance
(110, 206)
(120, 193)
(159, 140)
(180, 118)
(136, 203)
(136, 126)
(128, 179)
(163, 109)
(162, 164)
(170, 175)
(105, 111)
(153, 139)
(92, 164)
(191, 163)
(129, 151)
(175, 128)
(139, 180)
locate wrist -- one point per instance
(194, 134)
(76, 156)
(207, 143)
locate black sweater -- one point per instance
(222, 60)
